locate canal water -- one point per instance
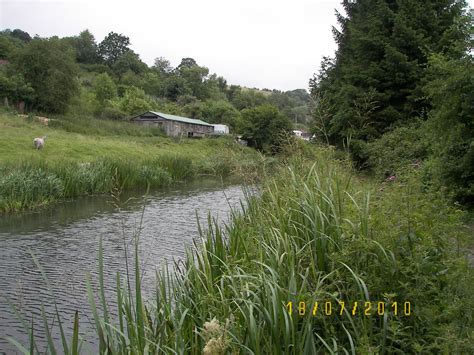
(64, 239)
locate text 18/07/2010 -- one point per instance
(357, 308)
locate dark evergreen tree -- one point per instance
(452, 125)
(376, 77)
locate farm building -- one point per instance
(221, 129)
(175, 126)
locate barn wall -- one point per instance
(176, 128)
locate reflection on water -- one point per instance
(65, 240)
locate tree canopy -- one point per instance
(264, 127)
(49, 67)
(113, 47)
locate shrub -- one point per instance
(398, 149)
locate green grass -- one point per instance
(110, 155)
(315, 234)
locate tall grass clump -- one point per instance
(36, 183)
(284, 276)
(22, 187)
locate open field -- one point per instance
(103, 156)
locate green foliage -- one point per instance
(153, 84)
(243, 99)
(134, 101)
(113, 113)
(128, 61)
(398, 150)
(49, 67)
(86, 48)
(33, 185)
(13, 86)
(452, 126)
(194, 78)
(28, 186)
(376, 77)
(222, 112)
(21, 35)
(186, 63)
(175, 87)
(162, 66)
(113, 47)
(9, 44)
(104, 88)
(293, 104)
(84, 104)
(264, 127)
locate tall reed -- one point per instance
(312, 235)
(37, 183)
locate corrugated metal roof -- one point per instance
(180, 119)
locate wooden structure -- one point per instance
(175, 126)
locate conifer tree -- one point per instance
(375, 79)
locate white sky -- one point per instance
(275, 44)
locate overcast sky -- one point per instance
(275, 44)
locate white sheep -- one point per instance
(39, 142)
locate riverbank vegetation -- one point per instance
(320, 262)
(95, 156)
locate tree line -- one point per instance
(77, 75)
(399, 90)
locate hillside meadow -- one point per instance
(91, 156)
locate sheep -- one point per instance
(39, 142)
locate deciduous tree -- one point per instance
(49, 66)
(113, 46)
(264, 127)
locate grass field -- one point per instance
(87, 156)
(16, 136)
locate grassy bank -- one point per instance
(284, 277)
(89, 156)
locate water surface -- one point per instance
(65, 241)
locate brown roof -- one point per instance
(4, 61)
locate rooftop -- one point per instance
(167, 116)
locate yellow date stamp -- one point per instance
(355, 308)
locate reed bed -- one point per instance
(314, 234)
(36, 183)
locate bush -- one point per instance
(398, 149)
